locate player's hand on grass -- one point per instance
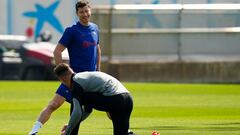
(63, 130)
(63, 133)
(64, 127)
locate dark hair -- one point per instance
(61, 69)
(81, 4)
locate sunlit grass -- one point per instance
(171, 109)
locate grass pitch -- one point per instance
(171, 109)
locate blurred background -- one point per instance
(141, 40)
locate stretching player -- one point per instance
(99, 91)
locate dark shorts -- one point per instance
(119, 107)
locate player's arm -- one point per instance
(85, 113)
(77, 92)
(75, 116)
(99, 58)
(57, 53)
(44, 116)
(79, 112)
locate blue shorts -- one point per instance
(64, 91)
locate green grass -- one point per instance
(171, 109)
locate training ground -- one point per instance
(171, 109)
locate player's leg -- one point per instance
(120, 124)
(119, 106)
(121, 114)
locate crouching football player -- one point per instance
(99, 91)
